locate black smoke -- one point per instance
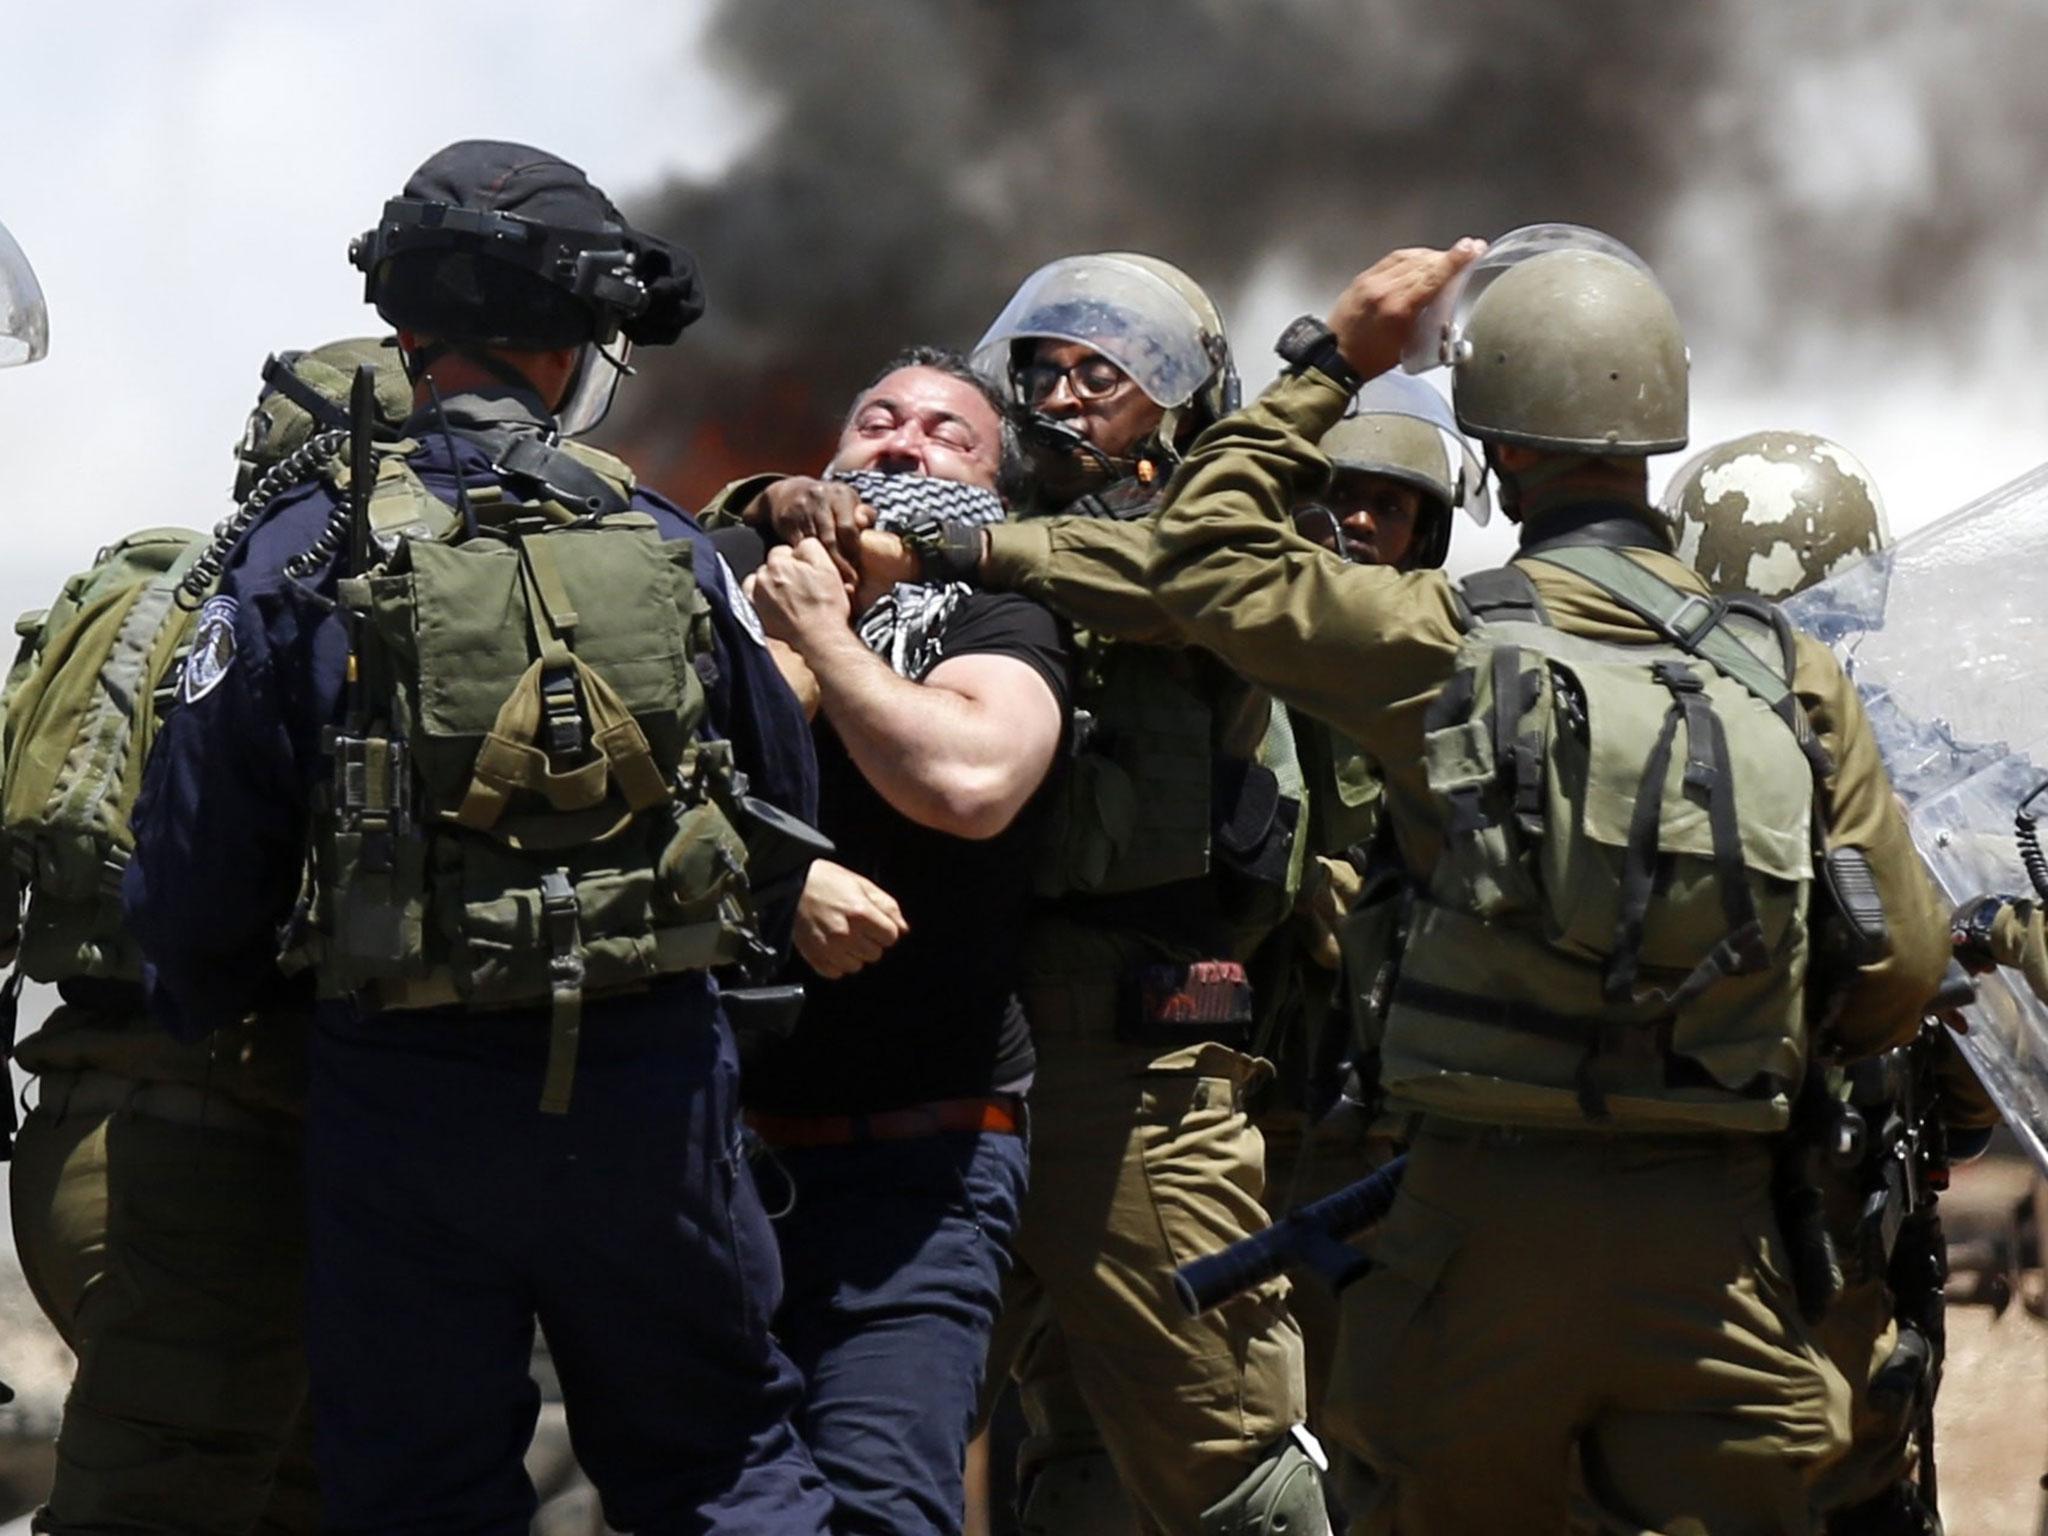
(925, 155)
(1799, 175)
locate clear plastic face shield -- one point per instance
(1439, 336)
(597, 380)
(24, 320)
(1127, 314)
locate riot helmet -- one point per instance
(1773, 513)
(305, 393)
(24, 319)
(1561, 339)
(1145, 316)
(499, 245)
(1402, 430)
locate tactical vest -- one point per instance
(77, 716)
(521, 809)
(1615, 935)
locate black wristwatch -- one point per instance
(1969, 930)
(1308, 343)
(946, 548)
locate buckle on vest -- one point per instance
(373, 794)
(562, 711)
(560, 914)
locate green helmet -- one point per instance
(306, 392)
(1574, 350)
(1397, 447)
(1774, 512)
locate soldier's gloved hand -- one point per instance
(799, 595)
(1373, 317)
(829, 511)
(1971, 932)
(844, 921)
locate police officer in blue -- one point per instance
(479, 732)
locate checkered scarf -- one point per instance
(905, 624)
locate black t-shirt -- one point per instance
(937, 1017)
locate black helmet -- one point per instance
(504, 245)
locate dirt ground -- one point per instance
(1991, 1420)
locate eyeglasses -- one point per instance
(1092, 378)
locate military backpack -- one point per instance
(1615, 933)
(81, 706)
(523, 808)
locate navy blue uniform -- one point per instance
(447, 1212)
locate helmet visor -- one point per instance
(1438, 339)
(597, 381)
(1117, 308)
(24, 321)
(1396, 394)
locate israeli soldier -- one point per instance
(157, 1197)
(1584, 1265)
(1771, 514)
(1170, 853)
(472, 729)
(1320, 982)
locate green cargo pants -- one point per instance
(161, 1228)
(1617, 1303)
(1141, 1159)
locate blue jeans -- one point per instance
(894, 1253)
(449, 1213)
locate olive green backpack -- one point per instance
(522, 810)
(79, 710)
(1616, 930)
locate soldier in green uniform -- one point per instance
(158, 1203)
(1609, 783)
(1320, 981)
(1773, 513)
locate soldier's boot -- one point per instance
(1898, 1511)
(1283, 1496)
(1074, 1495)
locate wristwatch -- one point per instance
(1308, 343)
(947, 549)
(1970, 930)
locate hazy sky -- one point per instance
(186, 177)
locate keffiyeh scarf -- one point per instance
(906, 625)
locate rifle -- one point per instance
(1313, 1234)
(1904, 1218)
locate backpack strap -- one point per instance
(1504, 595)
(1689, 620)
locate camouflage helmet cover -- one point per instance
(304, 392)
(1774, 513)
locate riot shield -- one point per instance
(1945, 636)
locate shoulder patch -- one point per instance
(213, 649)
(742, 606)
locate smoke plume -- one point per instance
(922, 156)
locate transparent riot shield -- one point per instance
(1945, 636)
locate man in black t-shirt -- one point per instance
(896, 1106)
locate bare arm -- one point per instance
(960, 752)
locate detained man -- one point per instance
(895, 1109)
